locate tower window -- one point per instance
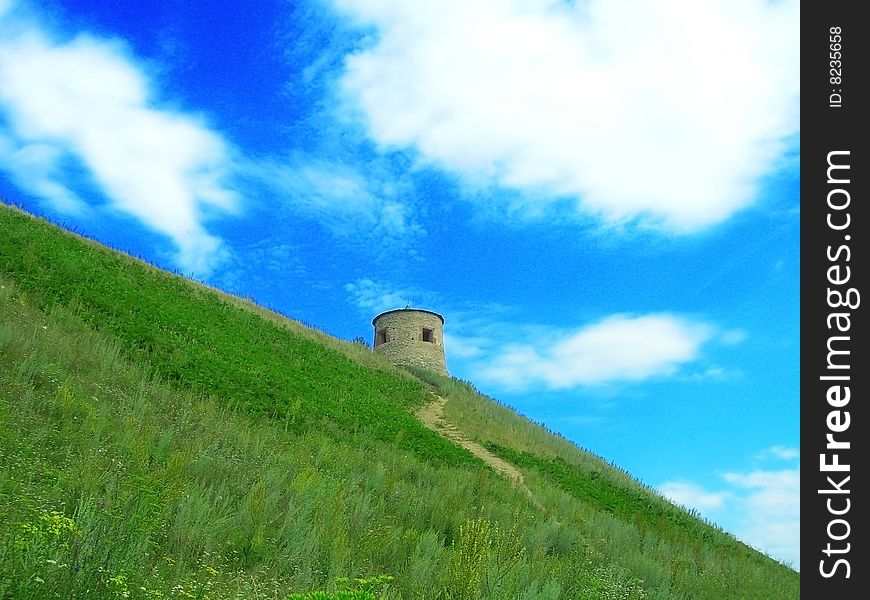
(381, 337)
(428, 335)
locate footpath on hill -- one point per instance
(432, 416)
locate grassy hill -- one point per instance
(159, 439)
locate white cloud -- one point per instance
(709, 373)
(770, 511)
(690, 495)
(377, 296)
(734, 337)
(86, 101)
(339, 197)
(464, 346)
(36, 167)
(761, 508)
(658, 110)
(781, 453)
(618, 348)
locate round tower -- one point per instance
(411, 336)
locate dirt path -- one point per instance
(432, 416)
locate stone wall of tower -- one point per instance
(405, 343)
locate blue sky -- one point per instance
(600, 197)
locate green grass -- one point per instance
(162, 440)
(196, 340)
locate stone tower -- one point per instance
(411, 336)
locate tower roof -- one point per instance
(422, 310)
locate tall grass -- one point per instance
(197, 340)
(122, 478)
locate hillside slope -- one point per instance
(159, 439)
